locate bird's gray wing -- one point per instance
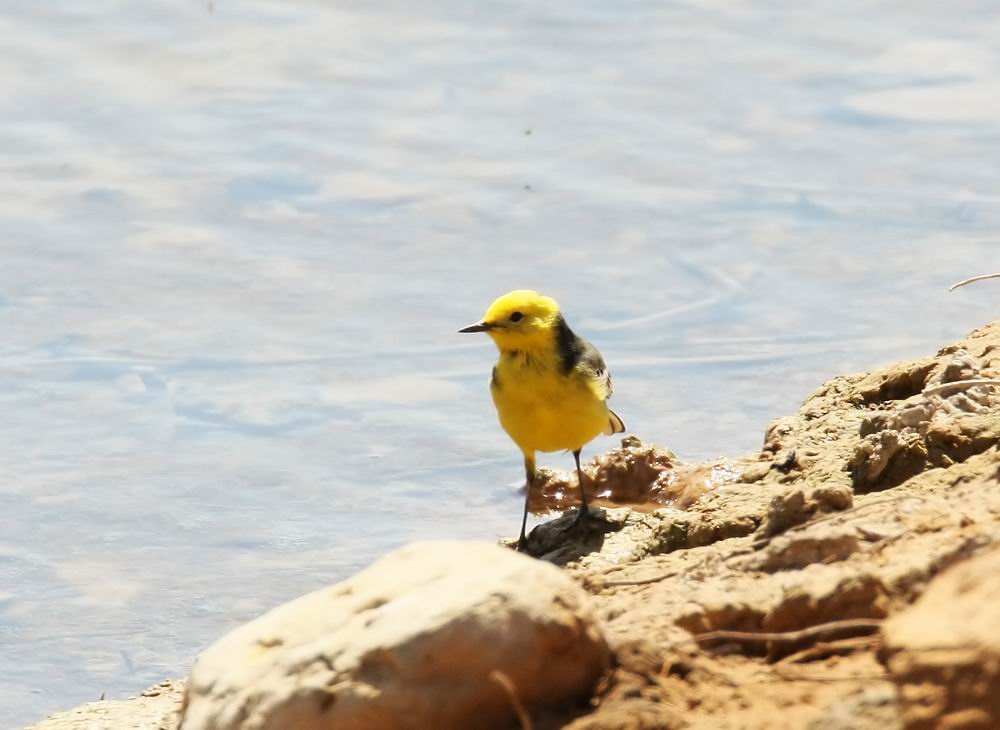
(592, 362)
(593, 365)
(575, 353)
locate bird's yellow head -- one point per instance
(521, 320)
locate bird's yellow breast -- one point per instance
(544, 409)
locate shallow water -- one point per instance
(236, 240)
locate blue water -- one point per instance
(237, 238)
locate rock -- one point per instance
(794, 507)
(414, 641)
(627, 704)
(155, 709)
(873, 707)
(634, 473)
(755, 472)
(794, 551)
(564, 540)
(926, 431)
(944, 651)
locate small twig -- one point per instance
(970, 280)
(508, 686)
(791, 636)
(935, 389)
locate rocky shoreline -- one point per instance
(845, 577)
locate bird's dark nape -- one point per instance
(569, 346)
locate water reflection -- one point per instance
(237, 240)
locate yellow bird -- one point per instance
(550, 387)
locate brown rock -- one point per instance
(797, 550)
(634, 473)
(926, 431)
(414, 641)
(944, 652)
(155, 709)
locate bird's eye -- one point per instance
(516, 317)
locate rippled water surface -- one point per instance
(237, 238)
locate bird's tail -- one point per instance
(615, 424)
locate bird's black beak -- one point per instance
(481, 327)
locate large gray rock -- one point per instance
(414, 641)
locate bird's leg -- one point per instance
(529, 473)
(584, 509)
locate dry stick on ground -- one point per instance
(792, 636)
(955, 384)
(508, 686)
(972, 279)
